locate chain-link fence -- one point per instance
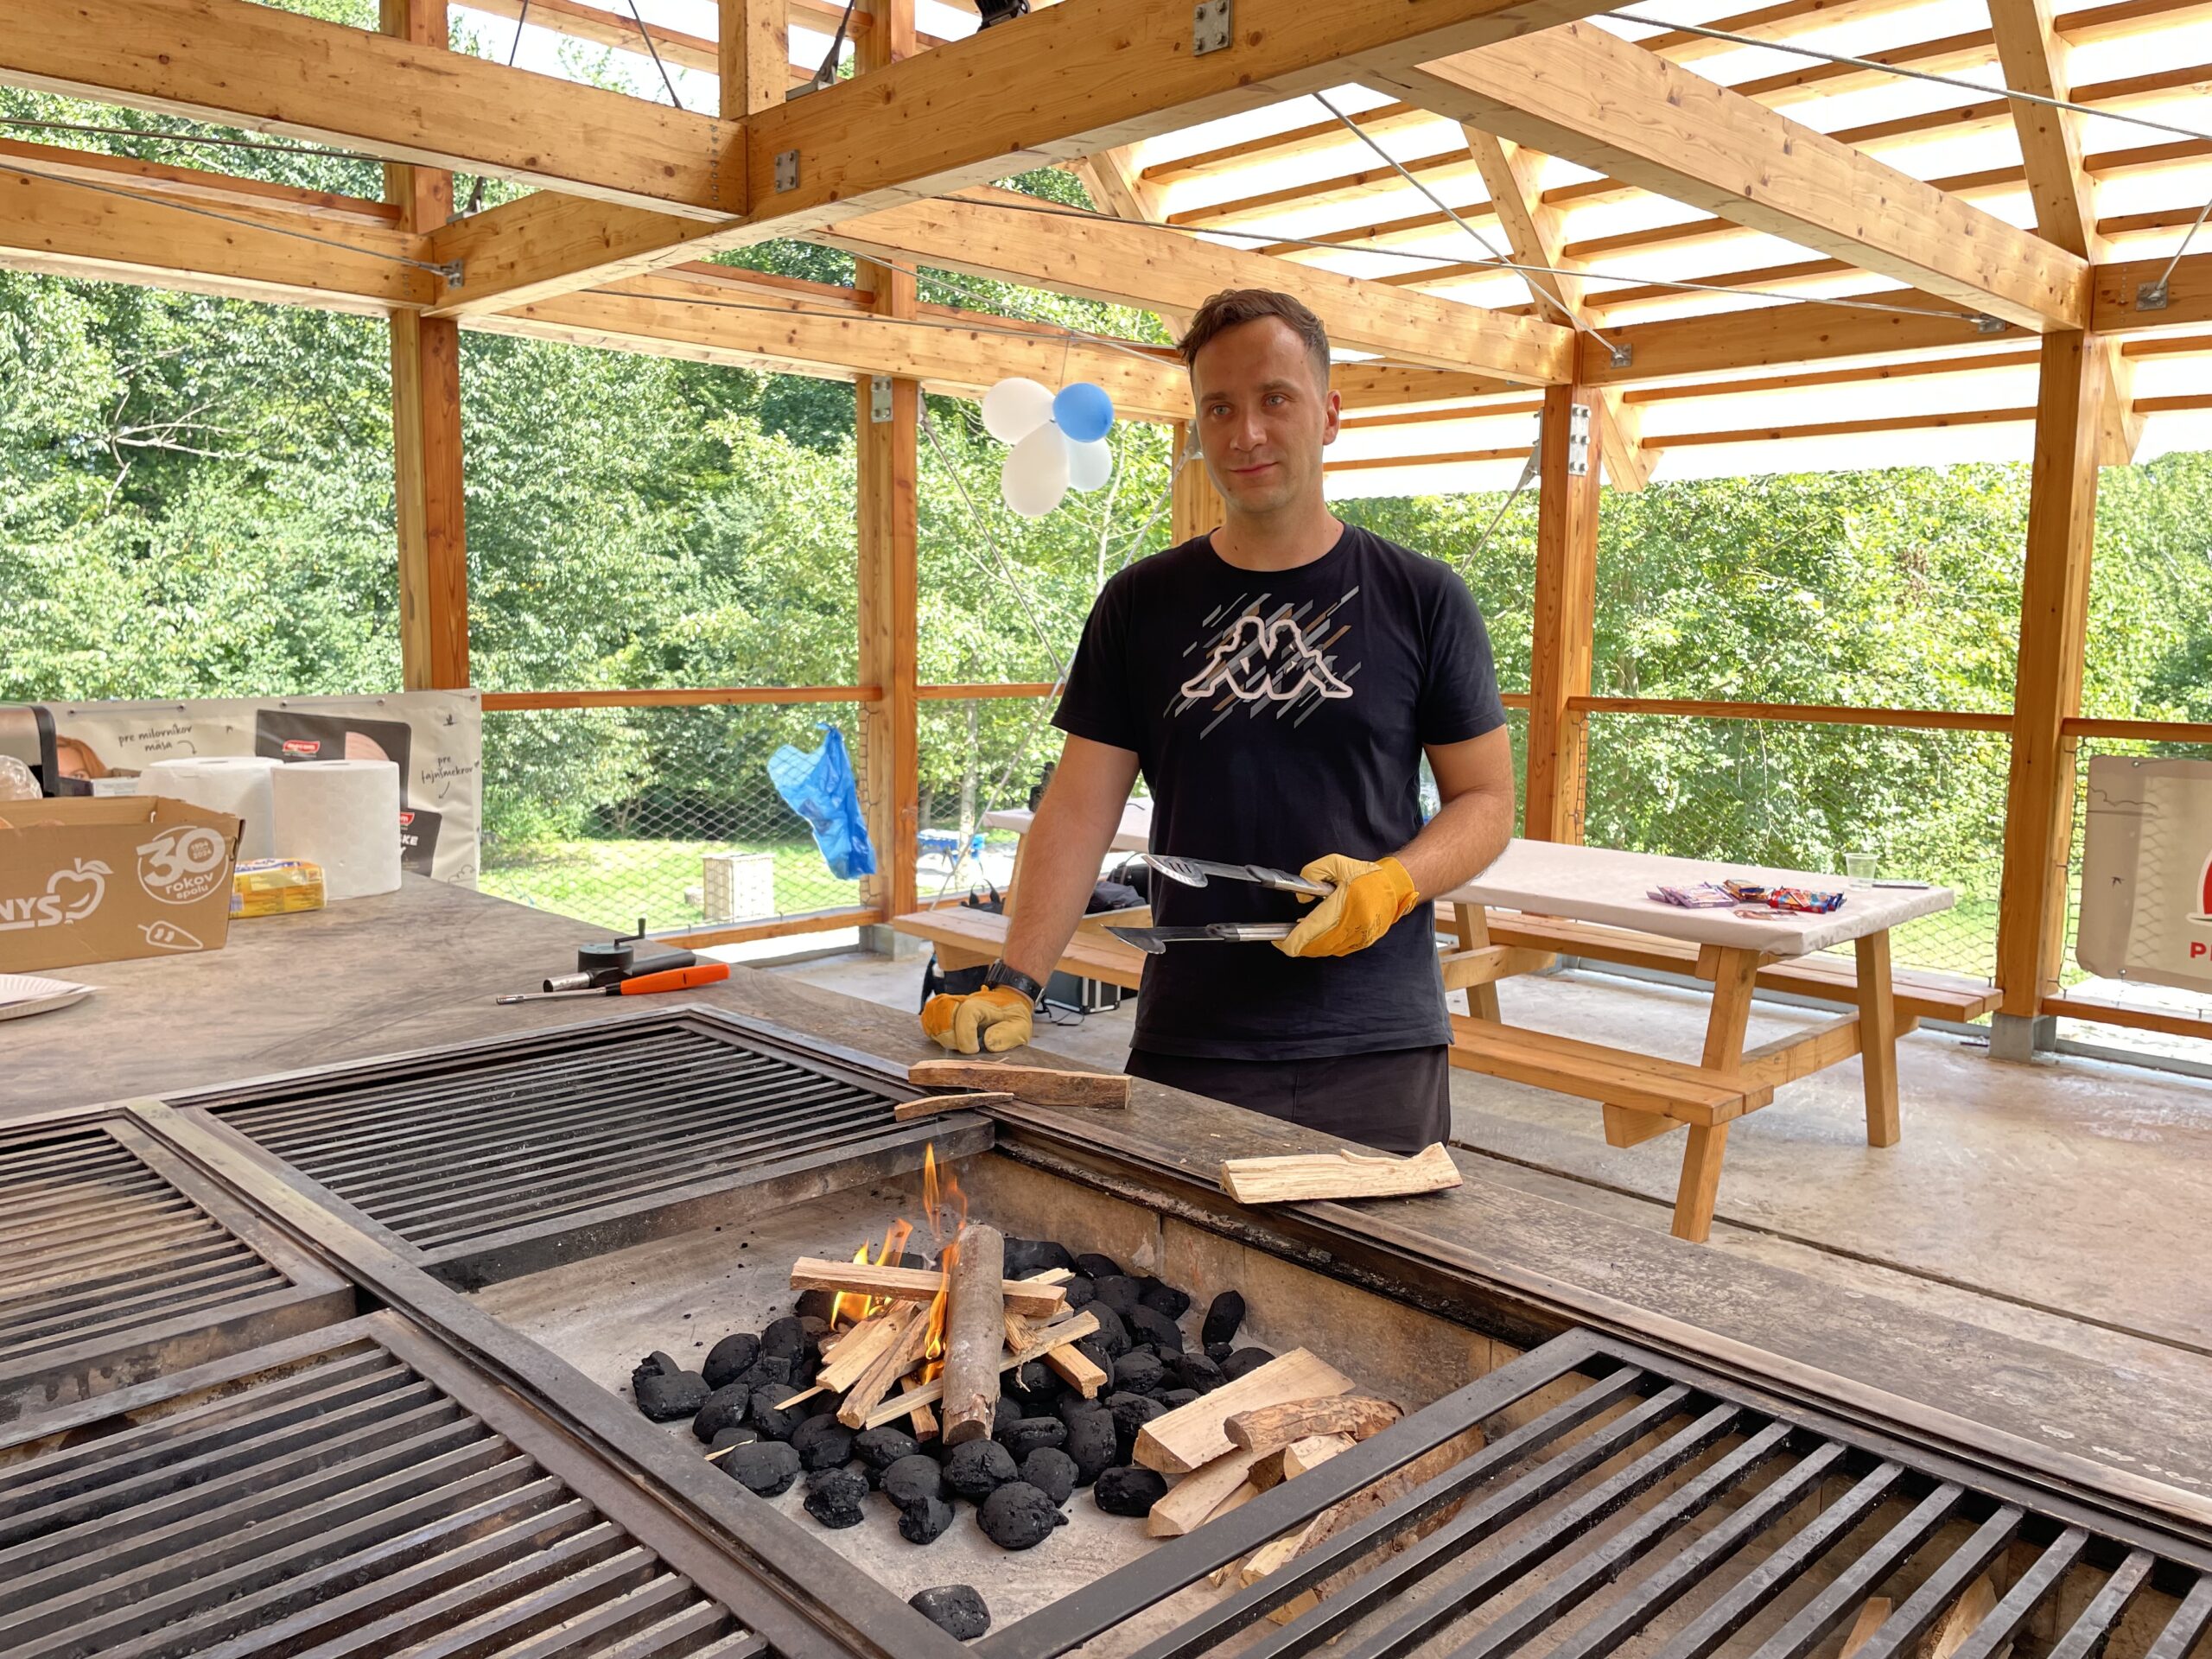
(610, 814)
(978, 755)
(1929, 804)
(2076, 982)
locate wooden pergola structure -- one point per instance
(1990, 293)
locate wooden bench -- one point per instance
(1918, 993)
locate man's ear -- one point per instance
(1333, 419)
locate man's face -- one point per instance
(1263, 415)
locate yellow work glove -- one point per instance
(1368, 899)
(996, 1018)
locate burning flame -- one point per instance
(936, 1199)
(855, 1305)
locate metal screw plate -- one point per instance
(879, 397)
(786, 170)
(1578, 440)
(1211, 25)
(2153, 296)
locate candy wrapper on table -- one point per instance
(1704, 896)
(1798, 899)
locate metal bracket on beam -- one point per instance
(1211, 27)
(449, 272)
(1624, 354)
(878, 399)
(2153, 296)
(1578, 440)
(787, 170)
(1986, 324)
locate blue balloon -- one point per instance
(1083, 412)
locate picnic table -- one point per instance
(1541, 900)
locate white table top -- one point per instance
(1606, 886)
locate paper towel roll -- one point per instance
(343, 815)
(222, 783)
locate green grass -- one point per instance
(611, 883)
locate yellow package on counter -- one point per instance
(275, 887)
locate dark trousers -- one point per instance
(1396, 1099)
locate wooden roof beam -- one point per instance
(998, 234)
(1598, 101)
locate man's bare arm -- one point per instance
(1065, 845)
(1475, 781)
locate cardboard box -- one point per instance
(85, 879)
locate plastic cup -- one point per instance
(1860, 867)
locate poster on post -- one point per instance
(2146, 872)
(436, 738)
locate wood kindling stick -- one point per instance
(860, 1349)
(1268, 1427)
(909, 1326)
(1033, 1300)
(1053, 1337)
(1037, 1084)
(930, 1105)
(1315, 1175)
(975, 1332)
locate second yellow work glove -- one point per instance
(996, 1018)
(1368, 900)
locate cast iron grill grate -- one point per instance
(343, 1505)
(94, 1242)
(462, 1153)
(1593, 1499)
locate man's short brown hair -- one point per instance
(1233, 306)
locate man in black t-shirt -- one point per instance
(1277, 683)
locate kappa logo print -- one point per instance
(1273, 660)
(70, 896)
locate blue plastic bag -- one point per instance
(820, 787)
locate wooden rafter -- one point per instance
(996, 233)
(1534, 236)
(2034, 59)
(1604, 103)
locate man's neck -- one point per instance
(1281, 540)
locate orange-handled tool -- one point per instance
(673, 979)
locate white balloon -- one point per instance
(1035, 476)
(1013, 408)
(1090, 464)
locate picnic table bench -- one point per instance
(1541, 900)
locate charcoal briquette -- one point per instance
(923, 1522)
(1243, 1360)
(823, 1442)
(737, 1434)
(956, 1608)
(1119, 1292)
(816, 1305)
(723, 1408)
(1130, 1413)
(1147, 1325)
(1219, 1352)
(908, 1259)
(767, 1369)
(834, 1497)
(1035, 1384)
(1224, 1314)
(665, 1391)
(1162, 1299)
(1018, 1516)
(1081, 1292)
(978, 1468)
(1093, 1348)
(1073, 1406)
(767, 1467)
(1003, 1412)
(1052, 1472)
(1112, 1331)
(1138, 1372)
(768, 1415)
(816, 1325)
(879, 1448)
(909, 1480)
(1093, 1445)
(730, 1358)
(1197, 1371)
(1173, 1398)
(1091, 1265)
(785, 1337)
(1026, 1258)
(1127, 1489)
(1026, 1435)
(804, 1366)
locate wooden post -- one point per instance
(754, 55)
(1196, 506)
(2047, 684)
(1566, 600)
(426, 425)
(975, 1332)
(887, 425)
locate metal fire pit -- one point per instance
(486, 1161)
(116, 1262)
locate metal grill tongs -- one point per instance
(1196, 873)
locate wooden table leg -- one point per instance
(1878, 1039)
(1471, 923)
(1735, 973)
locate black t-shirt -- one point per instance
(1279, 717)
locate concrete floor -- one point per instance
(2062, 1202)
